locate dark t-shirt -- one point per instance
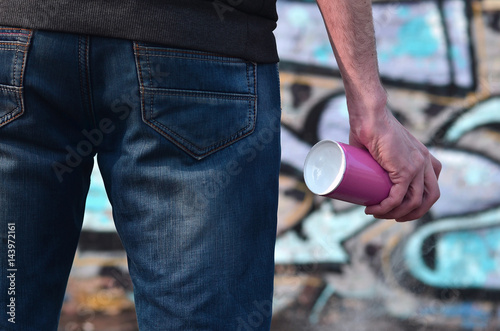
(240, 28)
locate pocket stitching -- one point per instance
(168, 132)
(20, 47)
(208, 56)
(18, 96)
(202, 94)
(196, 156)
(222, 60)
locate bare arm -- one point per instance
(412, 169)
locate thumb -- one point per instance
(353, 141)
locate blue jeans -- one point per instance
(188, 146)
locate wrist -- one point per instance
(369, 118)
(367, 107)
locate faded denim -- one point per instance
(188, 146)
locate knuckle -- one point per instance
(414, 204)
(425, 153)
(395, 204)
(419, 155)
(420, 161)
(439, 165)
(436, 196)
(408, 171)
(414, 166)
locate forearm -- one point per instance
(350, 27)
(413, 171)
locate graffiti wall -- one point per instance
(337, 268)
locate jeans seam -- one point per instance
(165, 131)
(194, 58)
(87, 76)
(21, 78)
(224, 142)
(21, 49)
(148, 63)
(83, 65)
(19, 106)
(14, 78)
(23, 67)
(254, 67)
(202, 94)
(139, 74)
(208, 56)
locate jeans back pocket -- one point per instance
(14, 44)
(201, 102)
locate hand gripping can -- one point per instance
(343, 172)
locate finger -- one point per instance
(430, 196)
(395, 198)
(437, 166)
(412, 199)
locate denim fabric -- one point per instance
(188, 146)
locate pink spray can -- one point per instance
(343, 172)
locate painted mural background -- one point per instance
(338, 269)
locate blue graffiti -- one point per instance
(416, 38)
(325, 231)
(469, 183)
(485, 113)
(464, 258)
(471, 316)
